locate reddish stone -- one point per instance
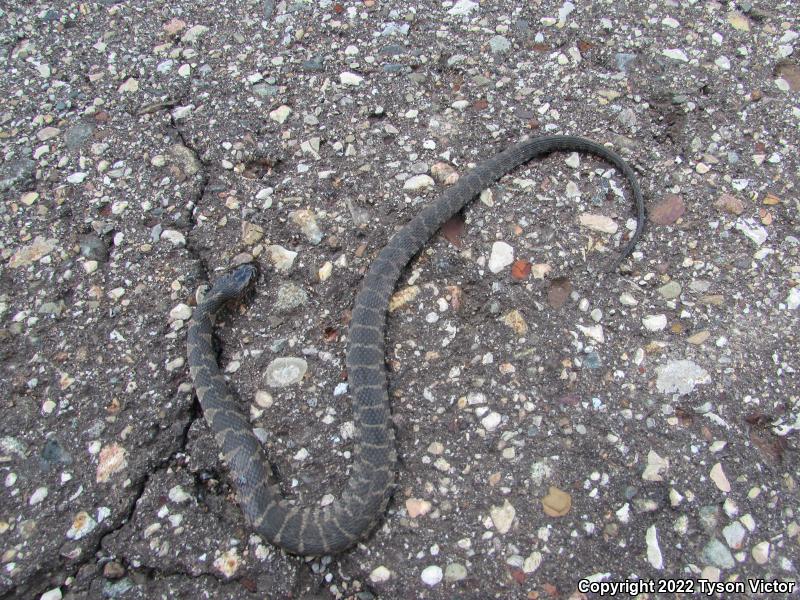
(669, 210)
(520, 269)
(730, 204)
(558, 292)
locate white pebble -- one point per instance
(348, 78)
(502, 255)
(380, 574)
(491, 421)
(655, 322)
(431, 575)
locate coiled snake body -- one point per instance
(333, 528)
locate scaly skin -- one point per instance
(336, 527)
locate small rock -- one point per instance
(280, 114)
(431, 575)
(516, 322)
(655, 322)
(380, 574)
(532, 563)
(263, 399)
(173, 236)
(738, 21)
(93, 247)
(182, 312)
(228, 563)
(668, 211)
(290, 296)
(491, 421)
(455, 572)
(112, 460)
(38, 495)
(793, 299)
(416, 507)
(418, 182)
(36, 250)
(503, 516)
(178, 495)
(348, 78)
(113, 570)
(718, 554)
(734, 534)
(174, 26)
(463, 8)
(556, 503)
(193, 34)
(656, 467)
(752, 230)
(251, 233)
(675, 54)
(185, 158)
(670, 290)
(82, 525)
(283, 372)
(48, 133)
(499, 44)
(325, 271)
(502, 255)
(760, 552)
(54, 594)
(558, 292)
(130, 86)
(654, 556)
(75, 136)
(17, 173)
(77, 178)
(403, 297)
(599, 223)
(718, 477)
(627, 299)
(573, 160)
(281, 258)
(442, 172)
(699, 337)
(680, 377)
(307, 222)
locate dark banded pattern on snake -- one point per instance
(333, 528)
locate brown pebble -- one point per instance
(730, 204)
(669, 210)
(557, 502)
(113, 570)
(558, 292)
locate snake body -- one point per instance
(337, 526)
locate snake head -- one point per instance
(235, 283)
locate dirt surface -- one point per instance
(555, 423)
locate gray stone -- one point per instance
(93, 247)
(265, 90)
(290, 296)
(75, 136)
(709, 517)
(670, 291)
(53, 454)
(624, 60)
(185, 158)
(681, 377)
(455, 572)
(499, 44)
(734, 534)
(17, 174)
(718, 555)
(283, 372)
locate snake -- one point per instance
(335, 527)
